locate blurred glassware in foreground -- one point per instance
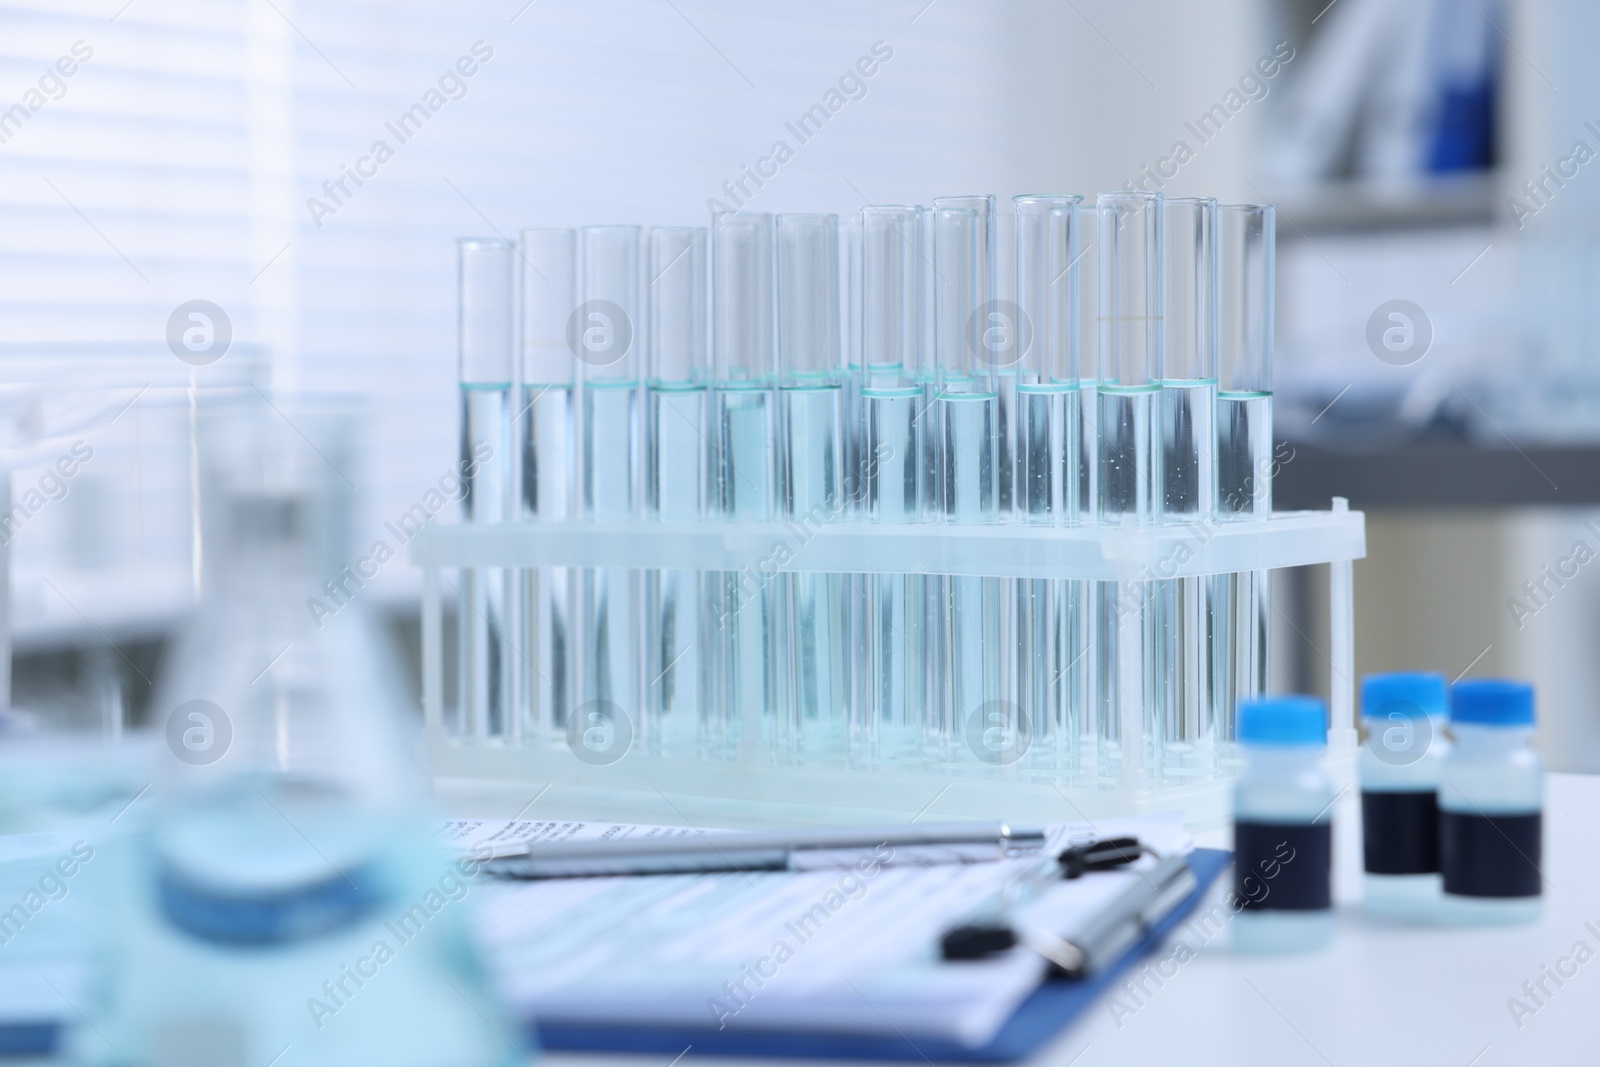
(287, 892)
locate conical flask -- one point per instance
(290, 903)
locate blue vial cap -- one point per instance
(1492, 702)
(1408, 693)
(1283, 721)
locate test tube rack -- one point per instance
(754, 789)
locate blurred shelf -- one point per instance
(1440, 475)
(1356, 206)
(86, 607)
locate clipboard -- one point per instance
(1043, 1015)
(1051, 1008)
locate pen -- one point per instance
(1109, 934)
(783, 850)
(1105, 936)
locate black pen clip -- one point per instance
(1106, 854)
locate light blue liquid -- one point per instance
(548, 494)
(1241, 602)
(815, 712)
(1007, 418)
(362, 977)
(1244, 454)
(1051, 663)
(611, 595)
(975, 607)
(487, 710)
(675, 466)
(1127, 616)
(1189, 482)
(938, 679)
(743, 471)
(897, 664)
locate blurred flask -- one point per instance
(289, 897)
(63, 858)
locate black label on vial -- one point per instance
(1491, 855)
(1283, 867)
(1400, 832)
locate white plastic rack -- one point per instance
(753, 790)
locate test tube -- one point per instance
(815, 636)
(981, 723)
(897, 664)
(675, 467)
(1052, 639)
(1246, 237)
(486, 341)
(1128, 626)
(937, 680)
(608, 353)
(1002, 343)
(547, 427)
(1189, 468)
(1087, 271)
(741, 478)
(853, 380)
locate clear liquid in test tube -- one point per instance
(486, 338)
(896, 664)
(815, 608)
(1128, 637)
(1189, 472)
(546, 428)
(983, 724)
(608, 344)
(1052, 635)
(741, 478)
(675, 468)
(938, 682)
(1246, 236)
(1087, 271)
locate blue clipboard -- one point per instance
(1040, 1018)
(1043, 1015)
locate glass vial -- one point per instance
(1405, 716)
(1283, 827)
(1491, 806)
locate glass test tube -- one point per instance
(897, 663)
(937, 680)
(1087, 270)
(1189, 469)
(675, 467)
(1051, 634)
(741, 479)
(608, 354)
(853, 379)
(485, 333)
(1003, 343)
(1128, 626)
(1246, 239)
(816, 610)
(547, 426)
(981, 724)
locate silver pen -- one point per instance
(770, 850)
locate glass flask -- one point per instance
(289, 901)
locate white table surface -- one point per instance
(1381, 994)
